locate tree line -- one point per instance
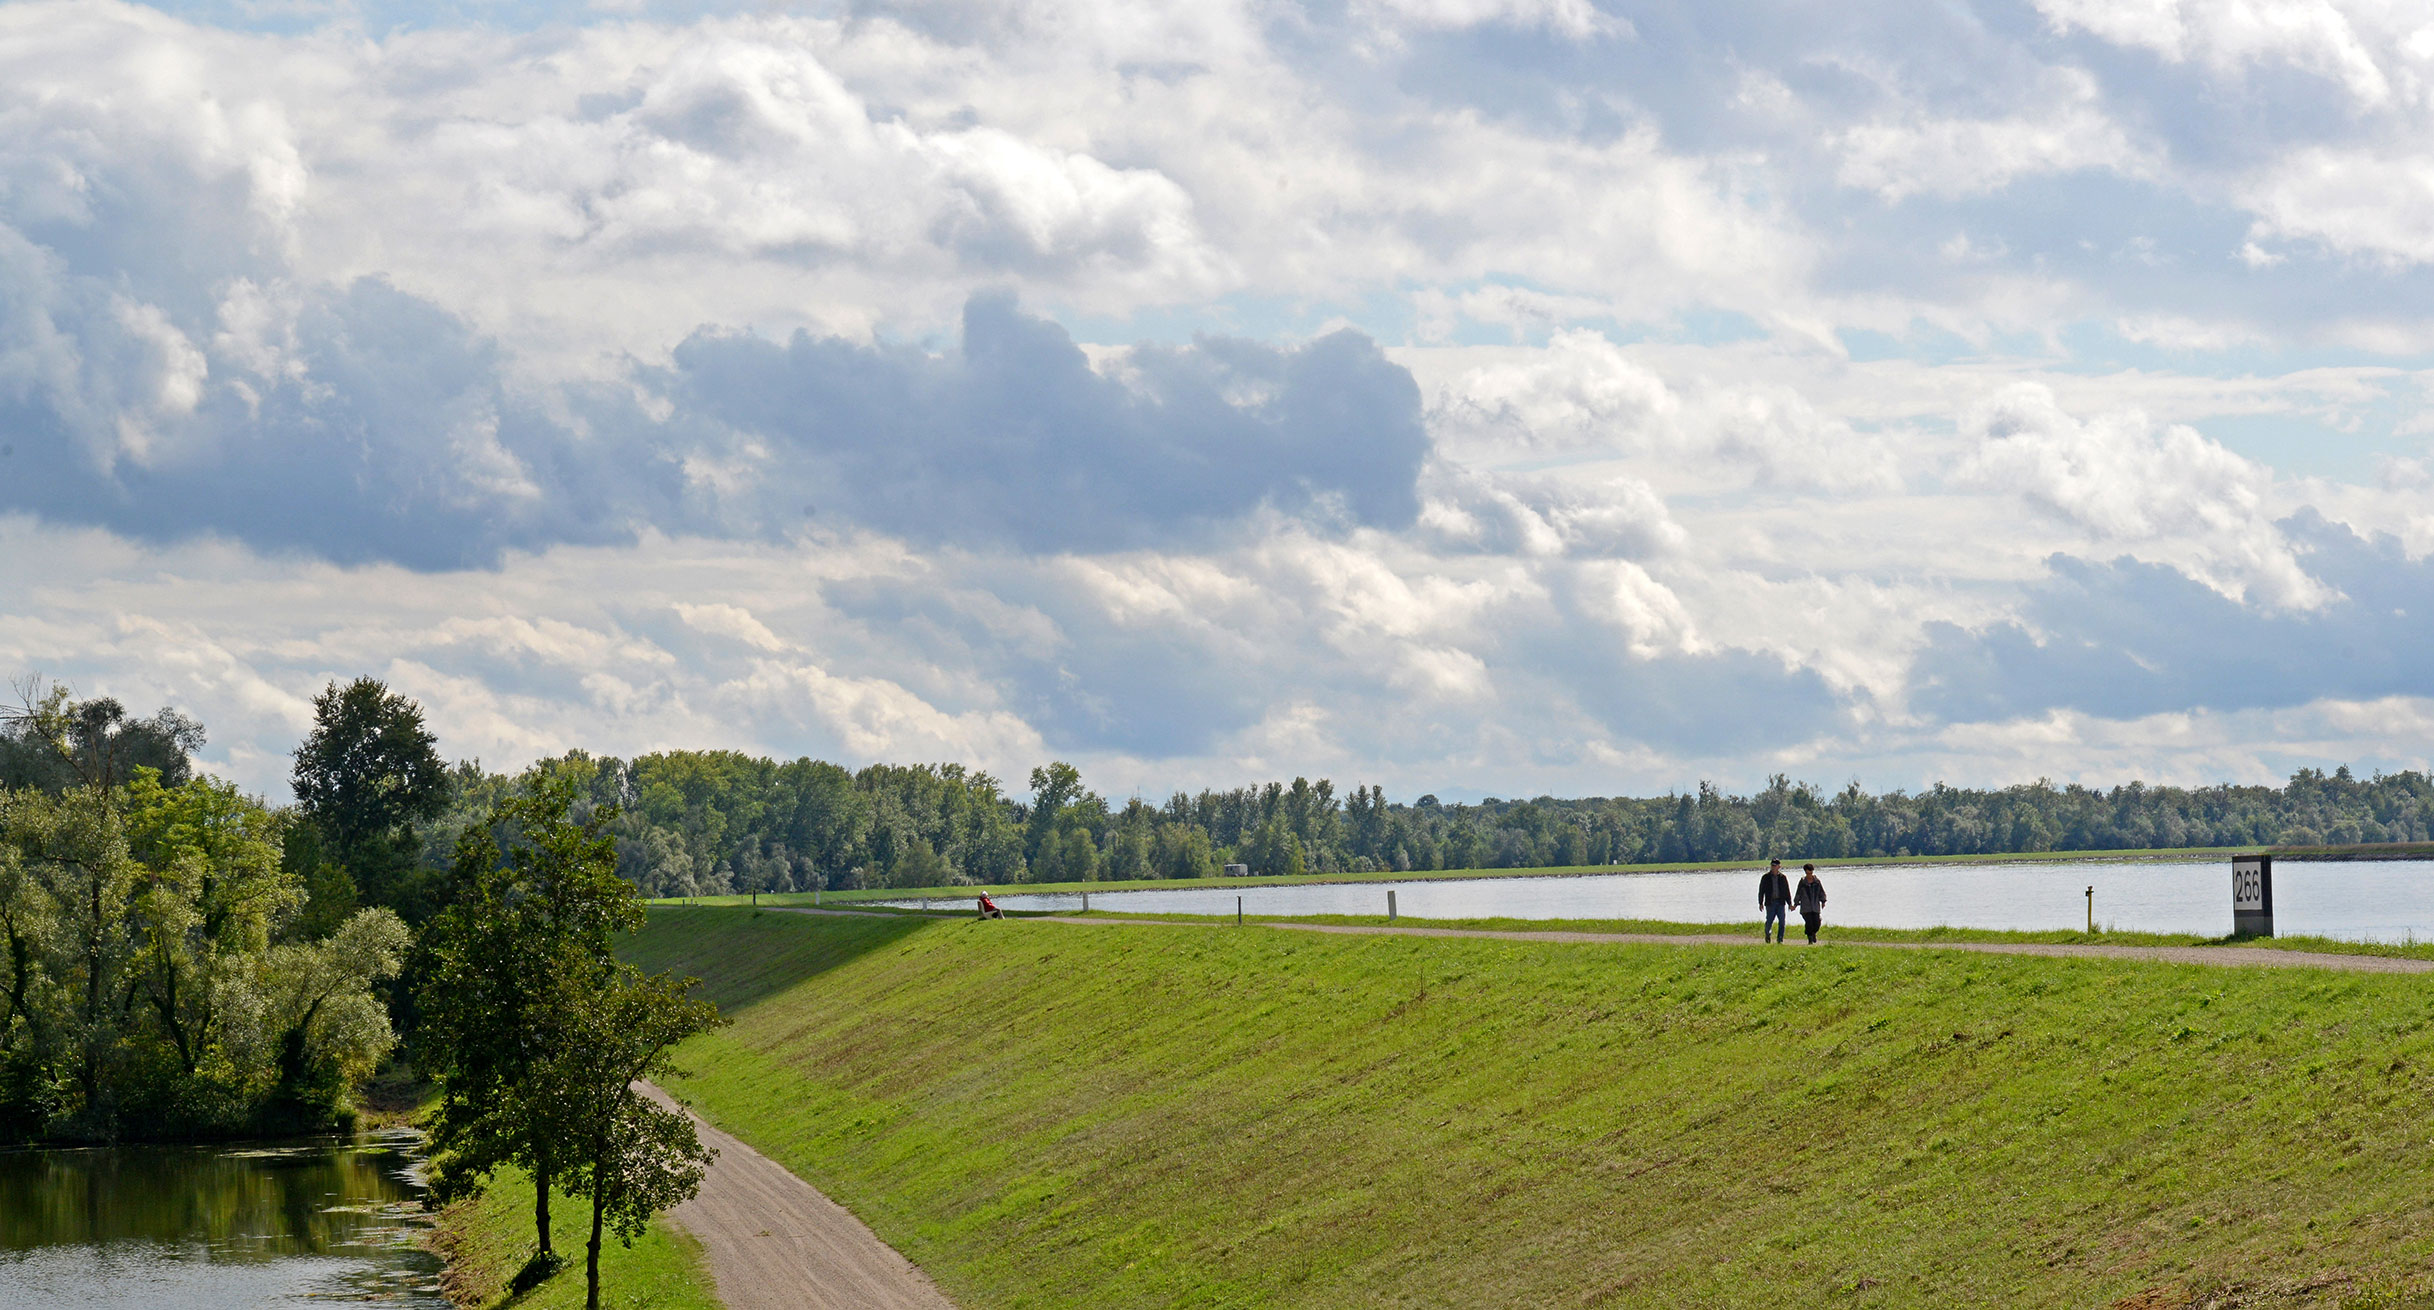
(708, 822)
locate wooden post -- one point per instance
(2091, 911)
(1237, 911)
(1085, 902)
(1390, 905)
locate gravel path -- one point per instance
(2247, 957)
(2253, 957)
(773, 1242)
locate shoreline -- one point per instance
(2366, 853)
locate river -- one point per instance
(2387, 900)
(308, 1223)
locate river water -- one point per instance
(2390, 900)
(324, 1222)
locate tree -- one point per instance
(636, 1158)
(533, 895)
(1053, 788)
(332, 1029)
(73, 846)
(52, 742)
(365, 774)
(211, 890)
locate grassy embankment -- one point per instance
(1049, 1115)
(2385, 851)
(486, 1241)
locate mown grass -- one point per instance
(1049, 1115)
(486, 1241)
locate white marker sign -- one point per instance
(2252, 895)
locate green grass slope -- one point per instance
(486, 1240)
(1059, 1115)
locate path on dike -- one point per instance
(773, 1242)
(2249, 957)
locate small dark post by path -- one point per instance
(1237, 911)
(2091, 911)
(1390, 905)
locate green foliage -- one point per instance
(535, 1033)
(633, 1158)
(364, 776)
(51, 742)
(1281, 1118)
(144, 986)
(492, 1264)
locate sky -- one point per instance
(1478, 397)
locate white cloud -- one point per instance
(2168, 494)
(1577, 19)
(2320, 36)
(1931, 152)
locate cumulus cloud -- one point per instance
(1932, 151)
(2126, 484)
(2124, 640)
(2320, 36)
(699, 336)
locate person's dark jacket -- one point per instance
(1773, 889)
(1811, 896)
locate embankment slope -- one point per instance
(1042, 1114)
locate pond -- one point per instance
(317, 1222)
(2388, 900)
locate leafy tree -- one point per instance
(332, 1029)
(533, 894)
(212, 889)
(365, 775)
(82, 876)
(52, 742)
(635, 1158)
(1054, 787)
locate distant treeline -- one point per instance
(703, 822)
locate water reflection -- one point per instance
(2384, 900)
(329, 1220)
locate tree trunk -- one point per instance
(591, 1258)
(540, 1205)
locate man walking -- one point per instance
(1774, 893)
(1811, 900)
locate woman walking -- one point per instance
(1809, 899)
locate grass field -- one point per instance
(487, 1240)
(2387, 851)
(1048, 1115)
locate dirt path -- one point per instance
(2248, 957)
(773, 1242)
(2252, 957)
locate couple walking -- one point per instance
(1775, 893)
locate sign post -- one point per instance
(2252, 895)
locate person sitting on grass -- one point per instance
(1774, 893)
(988, 908)
(1810, 899)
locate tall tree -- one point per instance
(635, 1158)
(364, 776)
(533, 895)
(210, 893)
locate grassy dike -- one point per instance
(1058, 1115)
(487, 1240)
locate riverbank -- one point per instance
(486, 1241)
(1050, 1114)
(2377, 851)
